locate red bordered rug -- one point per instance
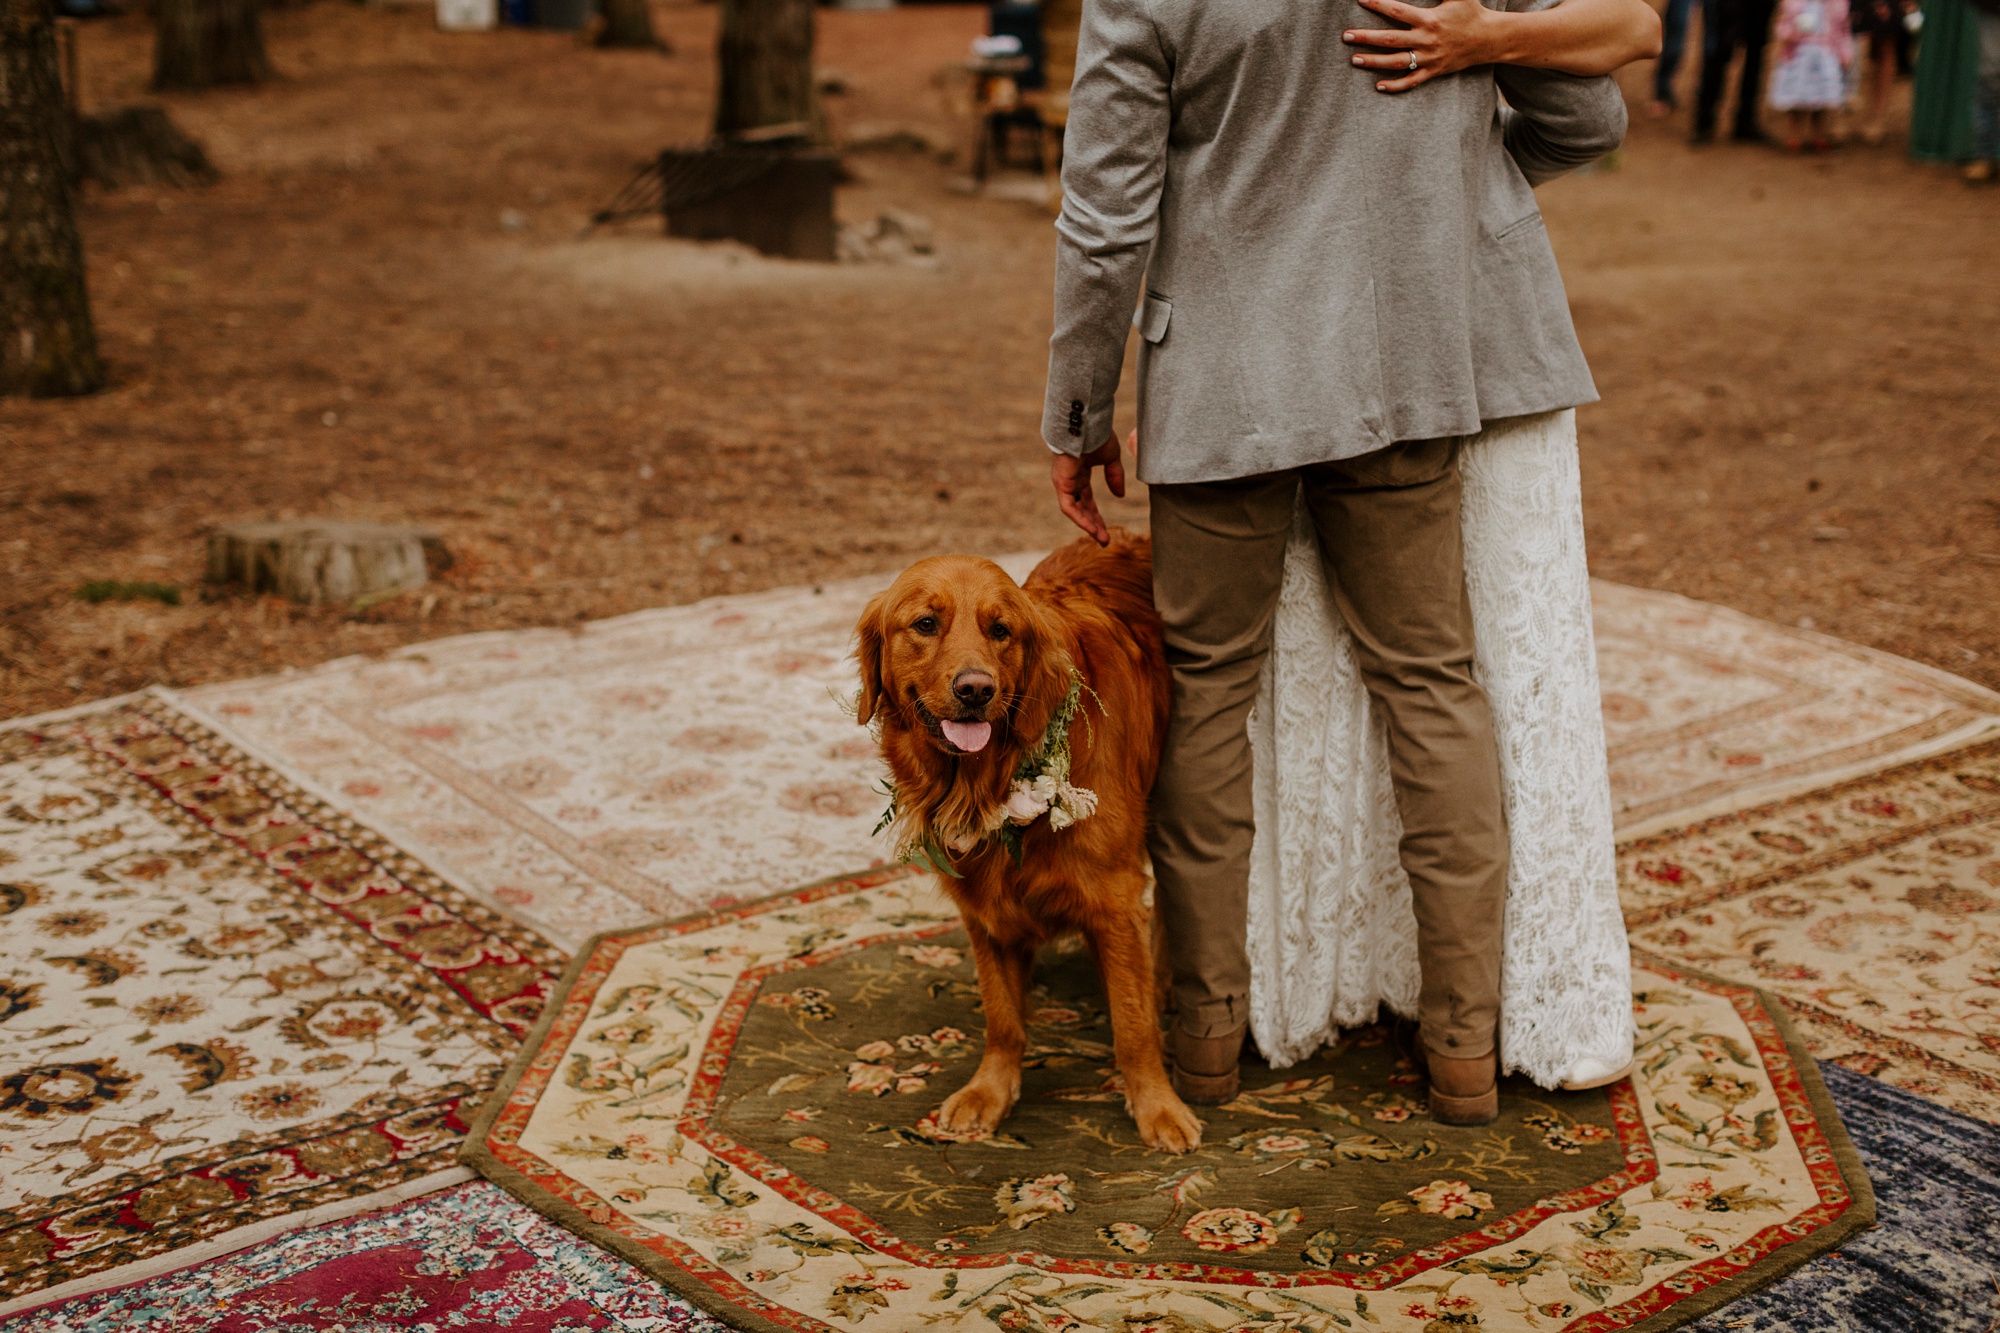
(1864, 907)
(740, 1103)
(221, 1001)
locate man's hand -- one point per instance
(1071, 476)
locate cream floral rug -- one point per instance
(741, 1103)
(1871, 908)
(223, 1004)
(682, 758)
(539, 787)
(1707, 709)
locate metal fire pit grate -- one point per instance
(685, 177)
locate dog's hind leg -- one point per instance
(1004, 971)
(1125, 963)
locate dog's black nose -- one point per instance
(974, 689)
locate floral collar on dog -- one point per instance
(1041, 787)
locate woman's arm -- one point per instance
(1585, 37)
(1555, 122)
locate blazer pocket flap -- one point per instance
(1151, 319)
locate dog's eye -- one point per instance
(1000, 632)
(926, 625)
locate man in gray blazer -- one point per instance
(1333, 287)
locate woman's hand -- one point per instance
(1584, 37)
(1451, 36)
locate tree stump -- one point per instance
(319, 563)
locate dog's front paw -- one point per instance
(1167, 1124)
(977, 1106)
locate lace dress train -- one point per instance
(1332, 933)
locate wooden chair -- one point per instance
(998, 98)
(997, 102)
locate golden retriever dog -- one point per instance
(1022, 725)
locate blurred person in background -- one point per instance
(1985, 164)
(1673, 45)
(1883, 26)
(1815, 47)
(1726, 27)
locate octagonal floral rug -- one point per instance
(742, 1104)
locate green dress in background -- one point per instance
(1947, 69)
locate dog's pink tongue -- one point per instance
(970, 737)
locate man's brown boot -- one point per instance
(1204, 1069)
(1463, 1092)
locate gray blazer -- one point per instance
(1332, 269)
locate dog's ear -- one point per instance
(868, 650)
(1045, 669)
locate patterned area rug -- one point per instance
(221, 1001)
(1871, 908)
(467, 1258)
(601, 778)
(1934, 1262)
(460, 1257)
(1708, 709)
(580, 781)
(693, 756)
(740, 1103)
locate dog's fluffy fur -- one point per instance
(951, 619)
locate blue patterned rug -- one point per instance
(1934, 1262)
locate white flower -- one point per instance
(1060, 818)
(1046, 788)
(1023, 806)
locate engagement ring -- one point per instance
(1413, 60)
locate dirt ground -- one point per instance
(1799, 360)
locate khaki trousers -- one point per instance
(1388, 527)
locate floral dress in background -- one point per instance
(1814, 50)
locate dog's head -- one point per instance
(956, 650)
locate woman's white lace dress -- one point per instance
(1332, 934)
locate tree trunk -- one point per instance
(766, 55)
(628, 23)
(48, 346)
(201, 43)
